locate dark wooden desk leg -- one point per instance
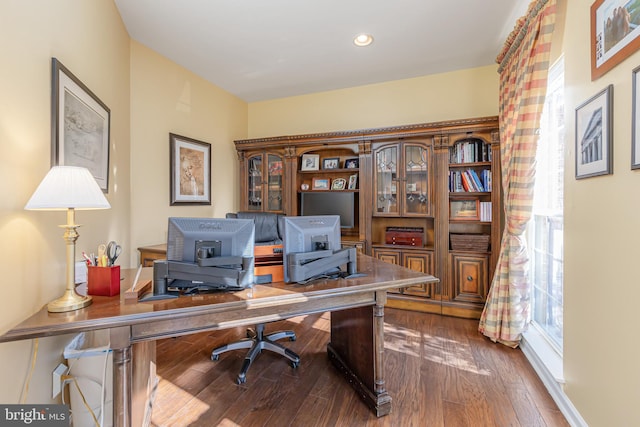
(357, 350)
(121, 349)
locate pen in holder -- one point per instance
(104, 281)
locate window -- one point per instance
(545, 232)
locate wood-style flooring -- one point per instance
(439, 371)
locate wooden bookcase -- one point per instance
(406, 178)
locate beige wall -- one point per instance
(157, 97)
(90, 40)
(166, 98)
(602, 285)
(456, 95)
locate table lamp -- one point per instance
(68, 188)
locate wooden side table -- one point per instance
(148, 254)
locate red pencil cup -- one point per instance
(103, 281)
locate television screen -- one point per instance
(329, 203)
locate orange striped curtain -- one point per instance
(523, 65)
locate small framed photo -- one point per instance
(352, 163)
(464, 210)
(353, 181)
(594, 135)
(339, 184)
(310, 162)
(80, 125)
(320, 183)
(635, 125)
(190, 182)
(331, 163)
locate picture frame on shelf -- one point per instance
(338, 184)
(310, 162)
(594, 135)
(320, 183)
(353, 182)
(190, 171)
(635, 124)
(615, 35)
(464, 210)
(331, 163)
(80, 124)
(353, 163)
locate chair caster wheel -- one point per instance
(215, 357)
(241, 380)
(295, 364)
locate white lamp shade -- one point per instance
(67, 187)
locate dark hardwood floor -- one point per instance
(439, 371)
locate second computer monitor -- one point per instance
(309, 234)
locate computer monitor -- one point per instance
(312, 248)
(205, 254)
(229, 237)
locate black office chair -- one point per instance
(268, 228)
(256, 341)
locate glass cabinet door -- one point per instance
(416, 162)
(274, 183)
(254, 184)
(386, 178)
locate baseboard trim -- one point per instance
(553, 385)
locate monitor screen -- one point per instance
(329, 203)
(308, 234)
(232, 237)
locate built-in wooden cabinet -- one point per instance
(263, 181)
(401, 179)
(412, 177)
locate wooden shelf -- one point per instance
(331, 171)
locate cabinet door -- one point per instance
(390, 256)
(274, 182)
(423, 263)
(254, 183)
(385, 181)
(416, 180)
(470, 278)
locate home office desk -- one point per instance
(356, 346)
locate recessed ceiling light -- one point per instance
(363, 40)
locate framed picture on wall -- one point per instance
(79, 125)
(615, 31)
(635, 124)
(594, 135)
(190, 171)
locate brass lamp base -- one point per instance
(68, 302)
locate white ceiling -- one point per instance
(267, 49)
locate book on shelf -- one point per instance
(477, 180)
(470, 151)
(485, 211)
(486, 179)
(466, 182)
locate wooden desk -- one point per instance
(357, 323)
